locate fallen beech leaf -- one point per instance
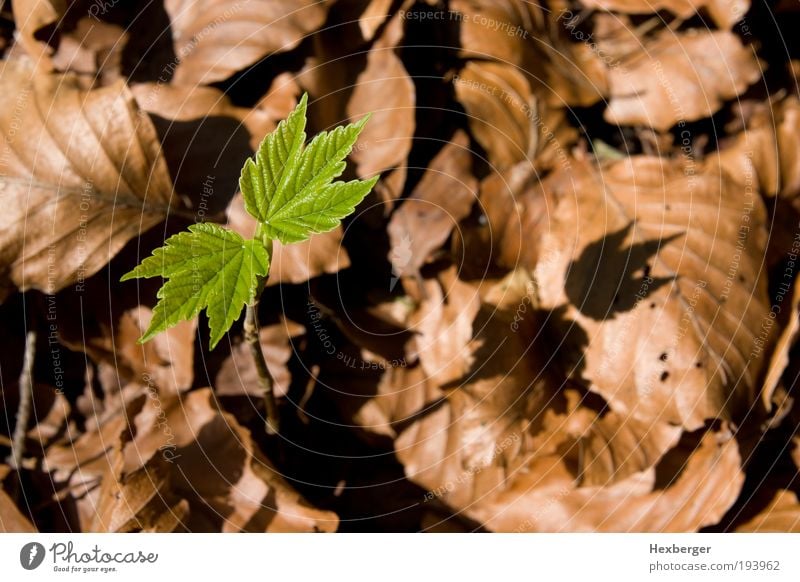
(500, 107)
(214, 464)
(725, 13)
(781, 354)
(782, 515)
(515, 209)
(375, 14)
(92, 48)
(378, 84)
(31, 16)
(87, 177)
(699, 496)
(766, 150)
(659, 263)
(440, 201)
(695, 71)
(11, 518)
(138, 500)
(497, 29)
(385, 90)
(215, 38)
(443, 323)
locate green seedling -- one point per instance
(290, 188)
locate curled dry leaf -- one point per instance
(214, 39)
(500, 107)
(440, 201)
(698, 496)
(373, 16)
(765, 152)
(443, 324)
(513, 205)
(724, 13)
(93, 49)
(31, 16)
(506, 118)
(139, 500)
(378, 85)
(660, 262)
(500, 30)
(87, 177)
(385, 91)
(678, 77)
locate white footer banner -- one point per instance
(401, 557)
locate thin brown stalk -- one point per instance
(251, 328)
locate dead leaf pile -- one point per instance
(570, 303)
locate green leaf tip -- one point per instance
(290, 187)
(207, 267)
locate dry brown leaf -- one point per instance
(678, 77)
(92, 48)
(30, 16)
(213, 39)
(440, 201)
(87, 176)
(443, 324)
(374, 15)
(514, 211)
(216, 465)
(385, 91)
(699, 496)
(11, 518)
(766, 150)
(497, 29)
(782, 515)
(378, 84)
(506, 118)
(781, 354)
(500, 106)
(724, 13)
(138, 500)
(658, 265)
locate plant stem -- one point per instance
(25, 398)
(251, 328)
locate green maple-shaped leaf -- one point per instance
(290, 188)
(207, 267)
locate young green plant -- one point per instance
(290, 188)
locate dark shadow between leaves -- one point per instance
(608, 279)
